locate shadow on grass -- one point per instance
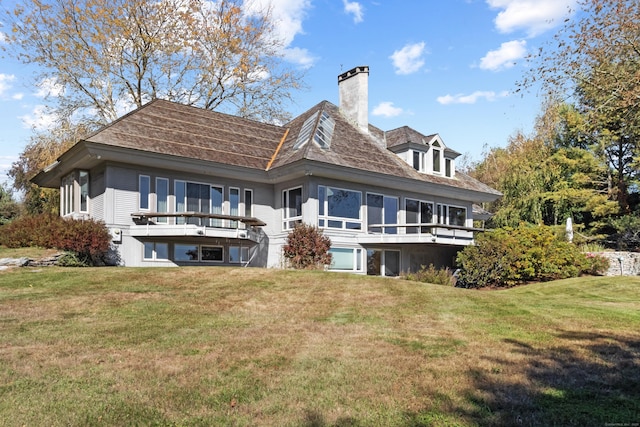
(589, 379)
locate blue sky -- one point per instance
(440, 66)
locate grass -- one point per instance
(247, 347)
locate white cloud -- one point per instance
(49, 87)
(386, 109)
(472, 98)
(505, 56)
(5, 82)
(409, 59)
(354, 8)
(17, 96)
(299, 56)
(287, 16)
(533, 16)
(40, 119)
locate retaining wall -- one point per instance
(622, 263)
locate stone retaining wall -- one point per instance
(622, 263)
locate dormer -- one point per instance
(426, 154)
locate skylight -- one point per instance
(324, 132)
(305, 131)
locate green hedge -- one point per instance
(511, 256)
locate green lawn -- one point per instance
(253, 347)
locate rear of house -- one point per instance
(178, 185)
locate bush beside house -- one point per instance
(86, 241)
(307, 248)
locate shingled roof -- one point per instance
(172, 129)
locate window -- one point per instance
(185, 252)
(83, 183)
(216, 205)
(416, 160)
(418, 212)
(291, 207)
(448, 168)
(382, 210)
(196, 197)
(436, 160)
(234, 205)
(452, 215)
(156, 251)
(339, 208)
(305, 131)
(383, 262)
(324, 132)
(74, 193)
(144, 190)
(346, 259)
(238, 254)
(457, 216)
(162, 195)
(212, 253)
(248, 203)
(66, 195)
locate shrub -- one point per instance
(431, 274)
(597, 265)
(89, 240)
(307, 248)
(511, 256)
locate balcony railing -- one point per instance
(419, 233)
(195, 224)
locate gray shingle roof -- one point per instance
(173, 129)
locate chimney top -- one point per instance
(353, 72)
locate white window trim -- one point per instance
(326, 217)
(286, 220)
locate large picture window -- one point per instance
(339, 208)
(292, 208)
(418, 212)
(197, 197)
(382, 210)
(346, 259)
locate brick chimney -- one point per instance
(354, 96)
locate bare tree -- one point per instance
(109, 56)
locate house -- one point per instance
(179, 185)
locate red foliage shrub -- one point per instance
(307, 248)
(88, 239)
